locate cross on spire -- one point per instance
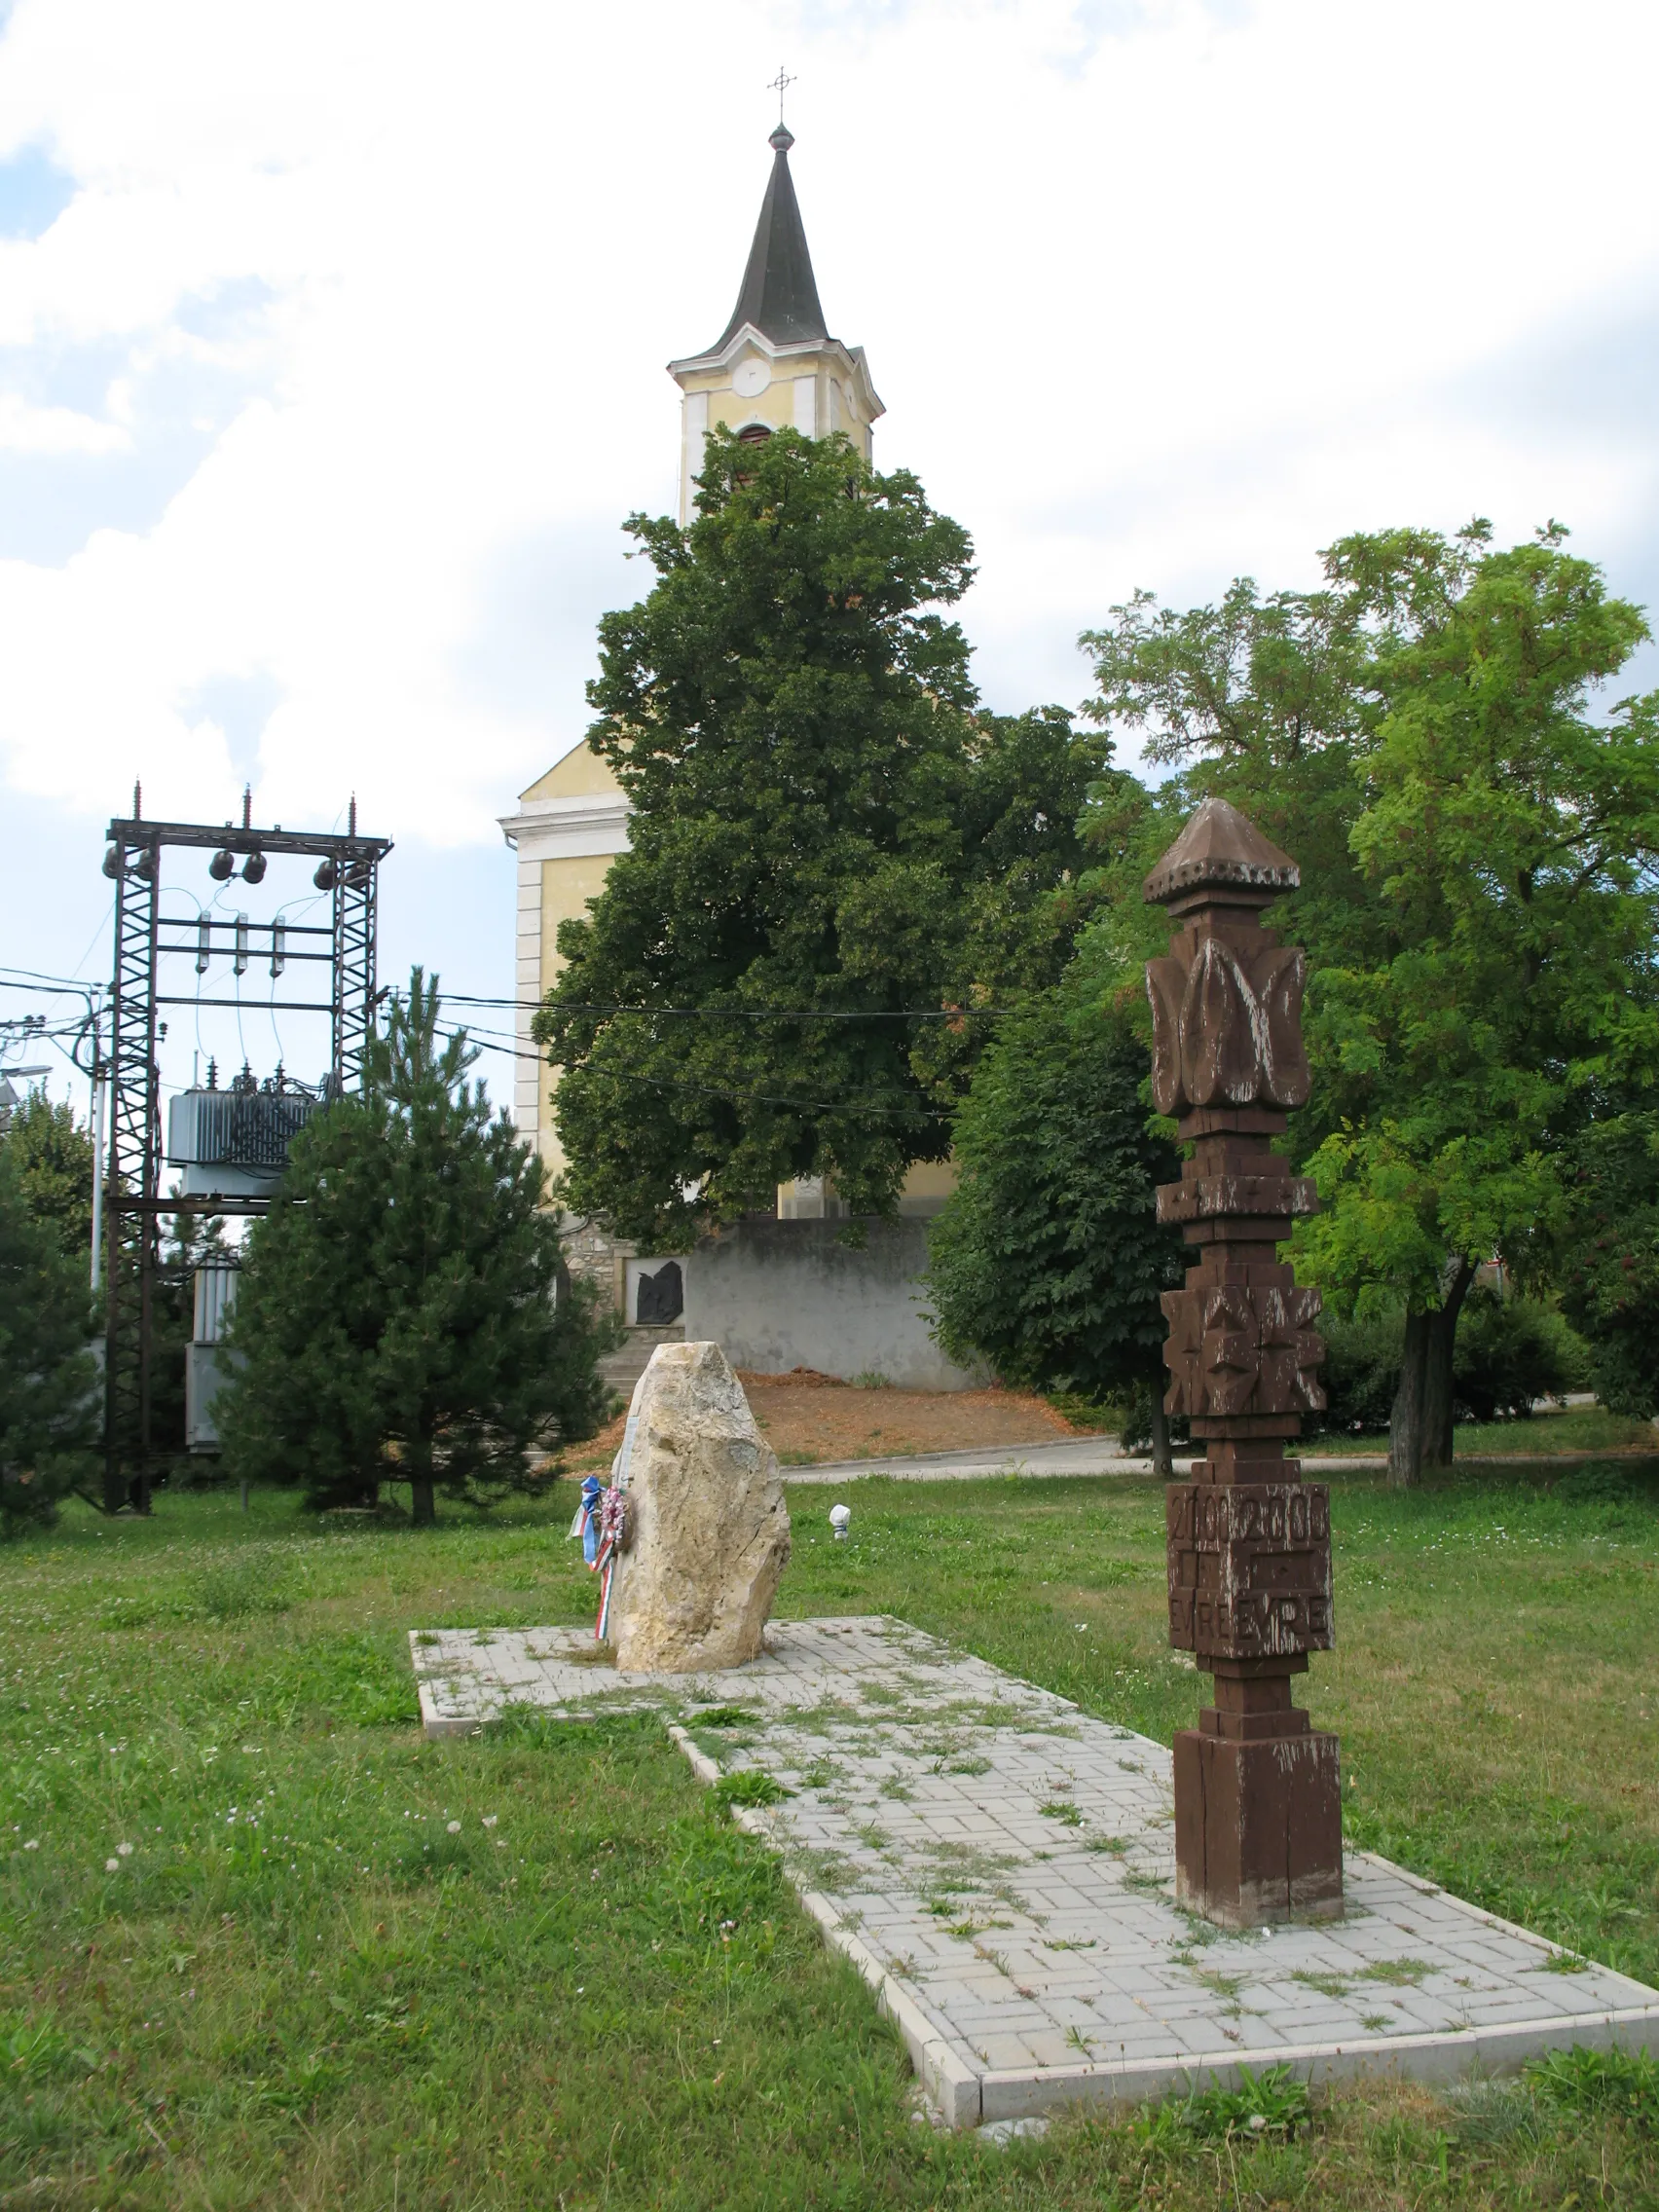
(780, 85)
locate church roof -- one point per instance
(779, 295)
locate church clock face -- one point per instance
(751, 377)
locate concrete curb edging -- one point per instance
(1430, 2058)
(963, 2097)
(952, 2088)
(1004, 2036)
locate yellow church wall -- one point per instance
(567, 886)
(580, 774)
(775, 405)
(927, 1185)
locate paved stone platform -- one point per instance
(999, 1865)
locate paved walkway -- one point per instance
(999, 1866)
(1102, 1456)
(1065, 1455)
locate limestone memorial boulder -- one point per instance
(708, 1531)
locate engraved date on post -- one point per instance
(1249, 1568)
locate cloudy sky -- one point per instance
(332, 342)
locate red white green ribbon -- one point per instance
(609, 1515)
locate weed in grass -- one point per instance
(1395, 1974)
(1493, 2115)
(1597, 2083)
(749, 1786)
(970, 1927)
(1199, 1933)
(827, 1870)
(1271, 2104)
(1327, 1984)
(1225, 1985)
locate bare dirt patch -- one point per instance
(810, 1419)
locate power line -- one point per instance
(46, 990)
(744, 1012)
(711, 1090)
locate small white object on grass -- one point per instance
(839, 1516)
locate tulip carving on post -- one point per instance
(1258, 1806)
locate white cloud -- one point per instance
(56, 429)
(1149, 303)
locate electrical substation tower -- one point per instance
(238, 1141)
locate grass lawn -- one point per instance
(261, 1944)
(1571, 1428)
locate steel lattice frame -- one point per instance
(354, 899)
(133, 1192)
(131, 1226)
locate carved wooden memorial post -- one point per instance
(1258, 1807)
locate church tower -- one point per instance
(775, 363)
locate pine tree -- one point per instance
(404, 1314)
(53, 1153)
(48, 1405)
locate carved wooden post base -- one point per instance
(1258, 1801)
(1258, 1807)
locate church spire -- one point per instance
(775, 365)
(778, 297)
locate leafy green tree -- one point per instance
(1048, 1260)
(48, 1380)
(404, 1314)
(825, 837)
(1477, 910)
(1608, 1256)
(53, 1154)
(1508, 835)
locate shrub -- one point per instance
(1510, 1351)
(1361, 1371)
(48, 1382)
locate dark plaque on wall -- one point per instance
(660, 1297)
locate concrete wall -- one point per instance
(779, 1294)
